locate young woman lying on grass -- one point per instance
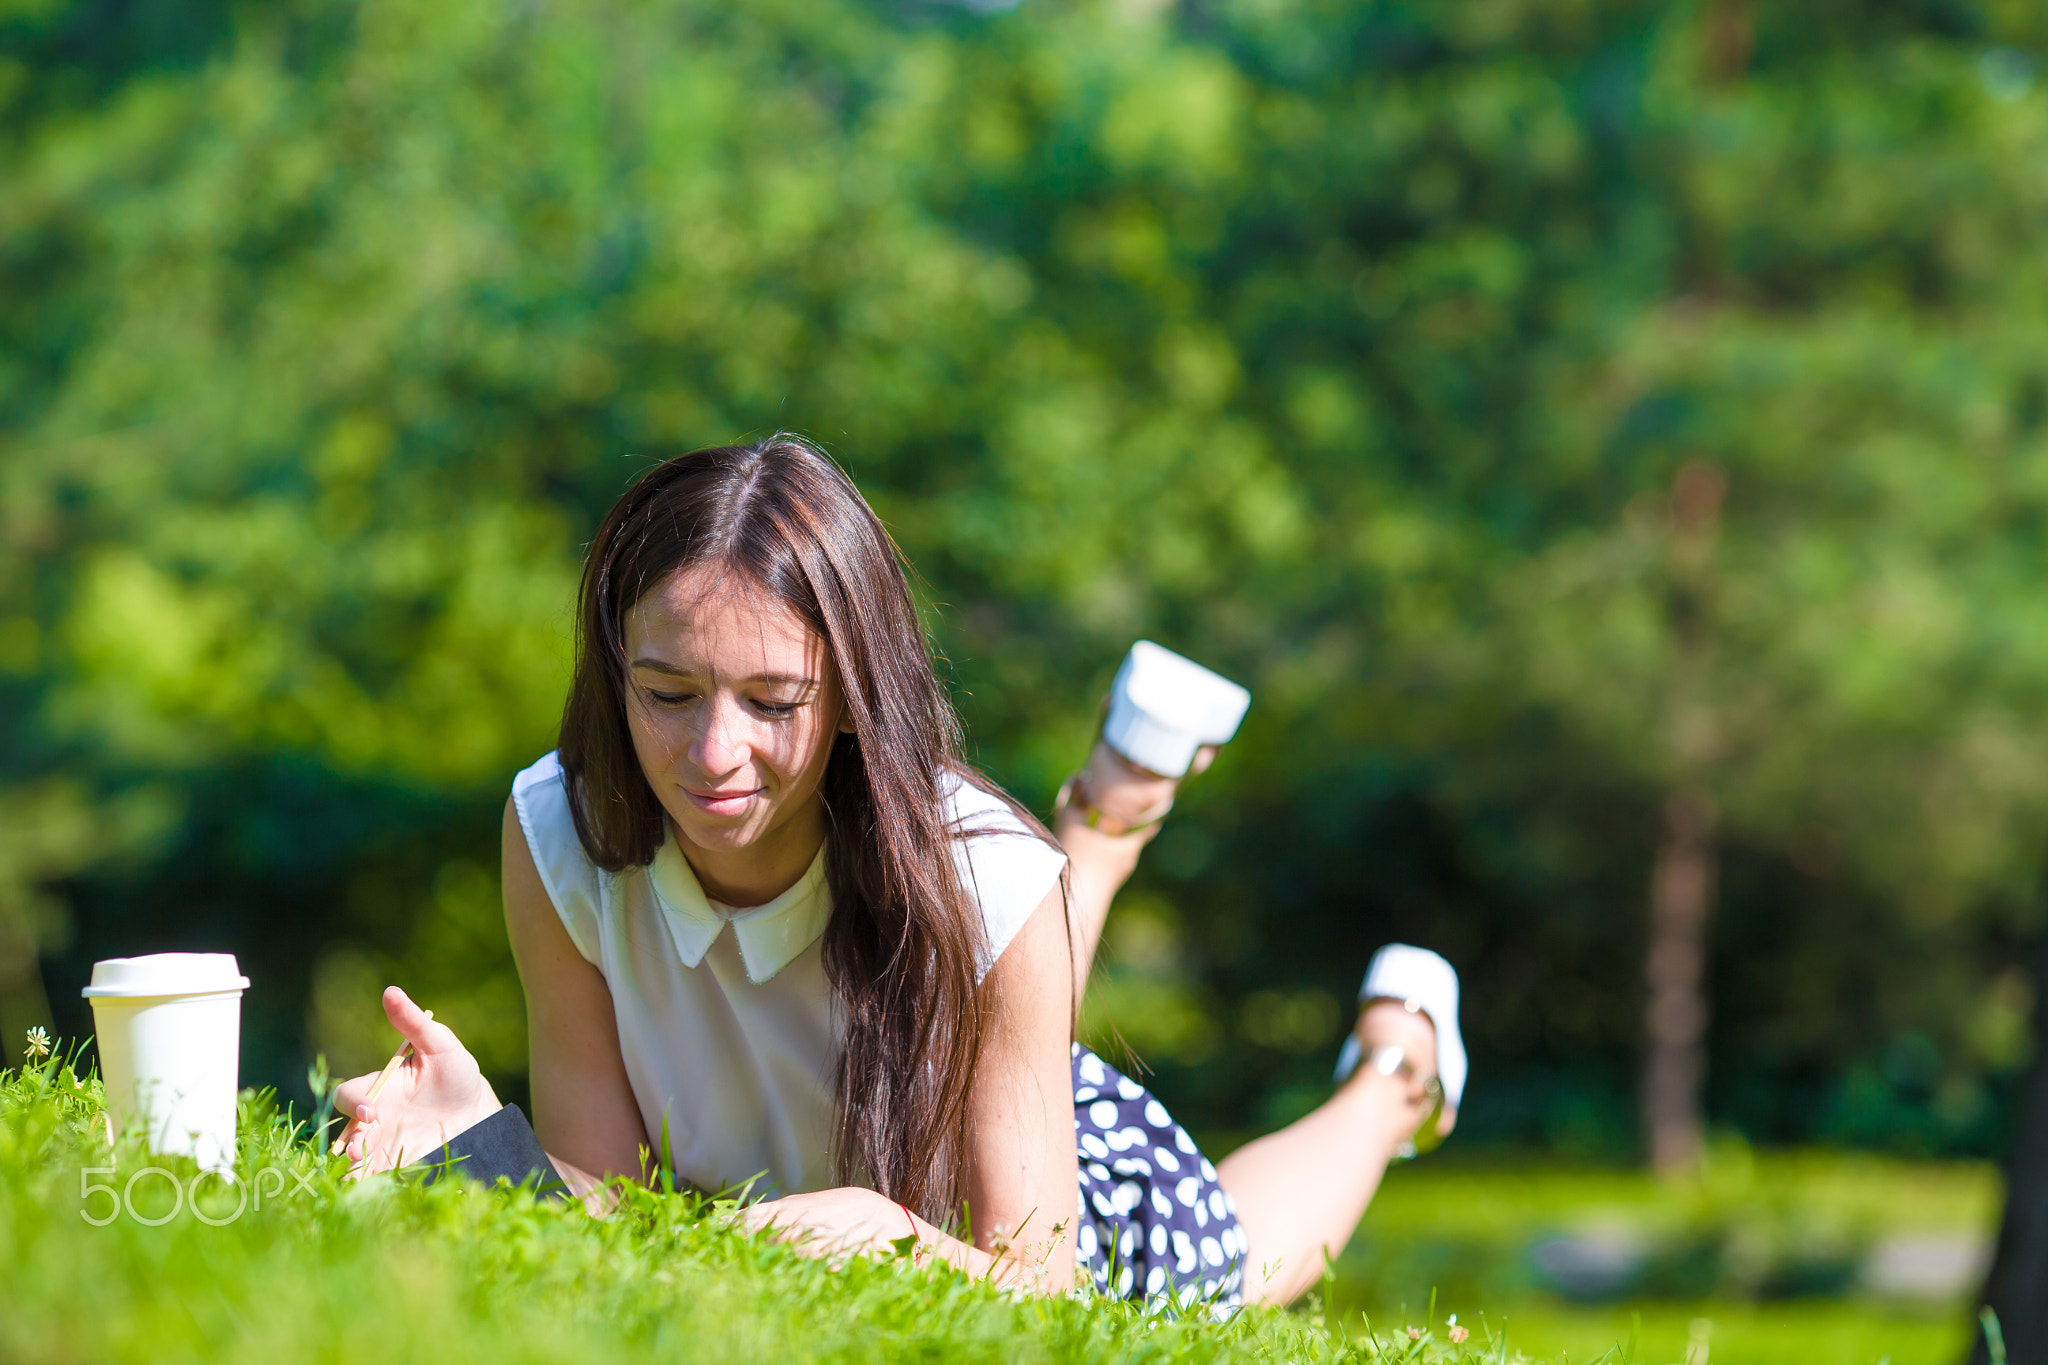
(765, 912)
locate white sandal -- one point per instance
(1427, 984)
(1163, 709)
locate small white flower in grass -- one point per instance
(38, 1043)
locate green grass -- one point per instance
(1463, 1233)
(1796, 1333)
(390, 1271)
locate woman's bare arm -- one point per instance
(1022, 1174)
(583, 1107)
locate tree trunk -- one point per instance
(2017, 1287)
(1728, 40)
(1681, 897)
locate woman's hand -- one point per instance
(437, 1093)
(840, 1222)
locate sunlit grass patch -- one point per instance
(109, 1254)
(1765, 1258)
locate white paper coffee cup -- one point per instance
(169, 1028)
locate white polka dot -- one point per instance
(1183, 1251)
(1155, 1279)
(1158, 1239)
(1127, 1197)
(1183, 1141)
(1167, 1160)
(1102, 1204)
(1216, 1204)
(1187, 1191)
(1208, 1171)
(1102, 1113)
(1211, 1253)
(1124, 1281)
(1135, 1136)
(1094, 1146)
(1156, 1115)
(1084, 1244)
(1126, 1243)
(1092, 1070)
(1201, 1214)
(1119, 1139)
(1129, 1089)
(1132, 1165)
(1163, 1207)
(1085, 1094)
(1098, 1170)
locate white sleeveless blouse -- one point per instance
(730, 1039)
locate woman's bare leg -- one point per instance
(1099, 864)
(1301, 1191)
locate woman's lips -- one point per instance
(721, 803)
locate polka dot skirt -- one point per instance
(1153, 1221)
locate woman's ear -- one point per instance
(846, 720)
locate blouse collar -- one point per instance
(770, 936)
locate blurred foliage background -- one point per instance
(1363, 350)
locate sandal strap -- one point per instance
(1391, 1059)
(1074, 793)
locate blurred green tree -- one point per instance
(1361, 349)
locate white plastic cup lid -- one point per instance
(165, 974)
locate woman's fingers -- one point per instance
(413, 1024)
(350, 1094)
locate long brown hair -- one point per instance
(904, 943)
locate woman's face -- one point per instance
(734, 705)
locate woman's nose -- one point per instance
(721, 746)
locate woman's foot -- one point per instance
(1116, 797)
(1394, 1040)
(1408, 1024)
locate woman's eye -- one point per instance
(667, 698)
(776, 710)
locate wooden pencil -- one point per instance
(383, 1079)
